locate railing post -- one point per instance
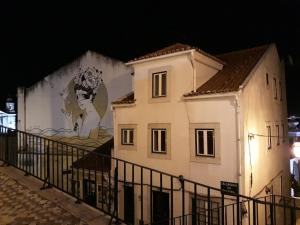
(209, 206)
(271, 210)
(222, 208)
(181, 179)
(116, 180)
(237, 209)
(254, 212)
(294, 211)
(142, 199)
(46, 180)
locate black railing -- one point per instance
(133, 193)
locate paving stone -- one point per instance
(19, 205)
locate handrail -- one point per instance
(57, 163)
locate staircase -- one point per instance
(134, 194)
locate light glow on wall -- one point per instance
(253, 148)
(296, 149)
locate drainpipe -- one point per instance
(194, 70)
(239, 143)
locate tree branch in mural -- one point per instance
(86, 102)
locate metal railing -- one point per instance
(135, 194)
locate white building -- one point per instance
(75, 100)
(8, 119)
(208, 118)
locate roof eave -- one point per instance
(159, 57)
(205, 96)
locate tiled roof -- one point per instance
(128, 99)
(238, 66)
(178, 47)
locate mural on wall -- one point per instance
(86, 101)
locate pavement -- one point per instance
(23, 203)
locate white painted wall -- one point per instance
(46, 101)
(259, 109)
(180, 114)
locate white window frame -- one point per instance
(159, 86)
(205, 142)
(159, 140)
(125, 136)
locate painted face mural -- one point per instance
(86, 102)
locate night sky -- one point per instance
(37, 38)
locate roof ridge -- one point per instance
(243, 50)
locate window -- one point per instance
(267, 79)
(205, 142)
(277, 130)
(269, 137)
(283, 133)
(159, 84)
(280, 91)
(274, 88)
(127, 136)
(205, 146)
(159, 140)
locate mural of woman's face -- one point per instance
(83, 98)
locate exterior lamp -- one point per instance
(296, 149)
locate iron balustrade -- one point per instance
(133, 193)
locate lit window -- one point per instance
(159, 84)
(127, 136)
(277, 130)
(159, 140)
(269, 137)
(205, 142)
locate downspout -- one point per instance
(239, 143)
(115, 132)
(194, 70)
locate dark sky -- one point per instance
(39, 37)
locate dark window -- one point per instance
(205, 142)
(280, 91)
(127, 136)
(269, 137)
(267, 79)
(275, 88)
(277, 130)
(159, 140)
(159, 84)
(283, 133)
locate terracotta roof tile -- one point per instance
(178, 47)
(238, 66)
(128, 99)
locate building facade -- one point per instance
(74, 100)
(208, 118)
